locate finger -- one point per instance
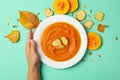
(30, 36)
(33, 46)
(28, 45)
(28, 39)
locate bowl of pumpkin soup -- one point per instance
(61, 41)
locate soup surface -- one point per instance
(60, 41)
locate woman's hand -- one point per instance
(33, 58)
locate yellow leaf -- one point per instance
(13, 36)
(28, 19)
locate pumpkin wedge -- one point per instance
(94, 41)
(73, 5)
(61, 6)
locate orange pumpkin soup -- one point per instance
(60, 41)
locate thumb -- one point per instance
(33, 46)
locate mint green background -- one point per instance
(13, 63)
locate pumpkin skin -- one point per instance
(73, 5)
(61, 6)
(94, 41)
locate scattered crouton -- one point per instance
(88, 24)
(80, 15)
(48, 12)
(99, 16)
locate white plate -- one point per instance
(61, 18)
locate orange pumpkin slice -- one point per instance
(73, 5)
(61, 6)
(94, 41)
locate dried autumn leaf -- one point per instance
(28, 19)
(13, 36)
(101, 27)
